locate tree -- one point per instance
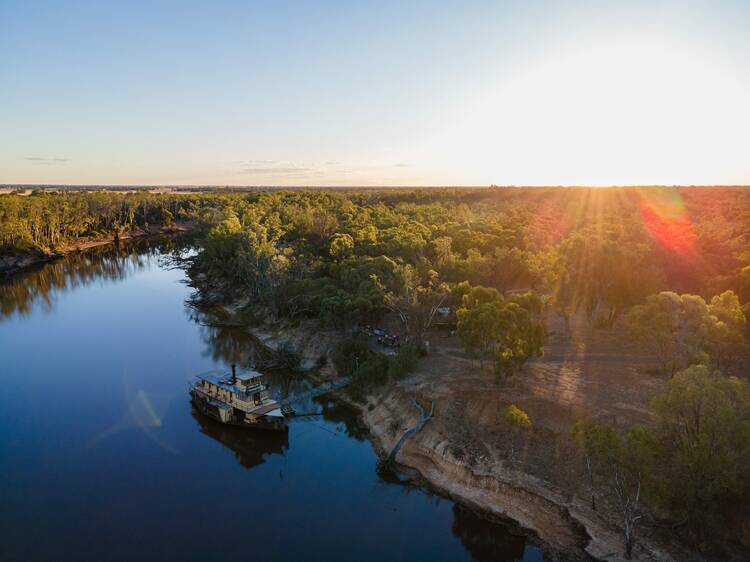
(703, 429)
(479, 328)
(490, 324)
(444, 257)
(342, 245)
(728, 333)
(521, 338)
(416, 301)
(603, 266)
(245, 257)
(519, 422)
(618, 463)
(635, 458)
(683, 329)
(599, 443)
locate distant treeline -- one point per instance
(594, 249)
(607, 248)
(47, 220)
(494, 257)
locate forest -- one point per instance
(667, 267)
(46, 221)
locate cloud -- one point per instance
(330, 171)
(259, 162)
(271, 168)
(276, 170)
(41, 160)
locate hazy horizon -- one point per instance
(337, 94)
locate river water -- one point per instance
(102, 457)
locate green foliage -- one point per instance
(489, 323)
(516, 418)
(404, 362)
(350, 354)
(683, 329)
(691, 464)
(371, 370)
(342, 245)
(246, 258)
(519, 422)
(703, 430)
(604, 265)
(371, 251)
(45, 221)
(598, 441)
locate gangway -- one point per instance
(286, 402)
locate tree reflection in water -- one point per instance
(229, 343)
(487, 541)
(38, 287)
(340, 413)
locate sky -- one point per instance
(525, 92)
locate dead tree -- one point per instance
(629, 499)
(423, 419)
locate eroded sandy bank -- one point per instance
(561, 520)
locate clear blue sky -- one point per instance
(391, 93)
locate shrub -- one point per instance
(404, 362)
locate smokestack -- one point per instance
(234, 373)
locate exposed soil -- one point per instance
(465, 450)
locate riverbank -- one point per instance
(133, 454)
(462, 454)
(563, 522)
(10, 264)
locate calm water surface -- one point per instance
(102, 457)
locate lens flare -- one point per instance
(666, 220)
(145, 411)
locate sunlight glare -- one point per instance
(666, 220)
(635, 113)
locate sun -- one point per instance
(633, 112)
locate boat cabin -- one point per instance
(238, 399)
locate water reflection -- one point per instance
(251, 448)
(486, 541)
(339, 413)
(229, 343)
(40, 286)
(117, 463)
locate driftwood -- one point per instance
(423, 419)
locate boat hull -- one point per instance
(264, 423)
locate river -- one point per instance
(103, 458)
